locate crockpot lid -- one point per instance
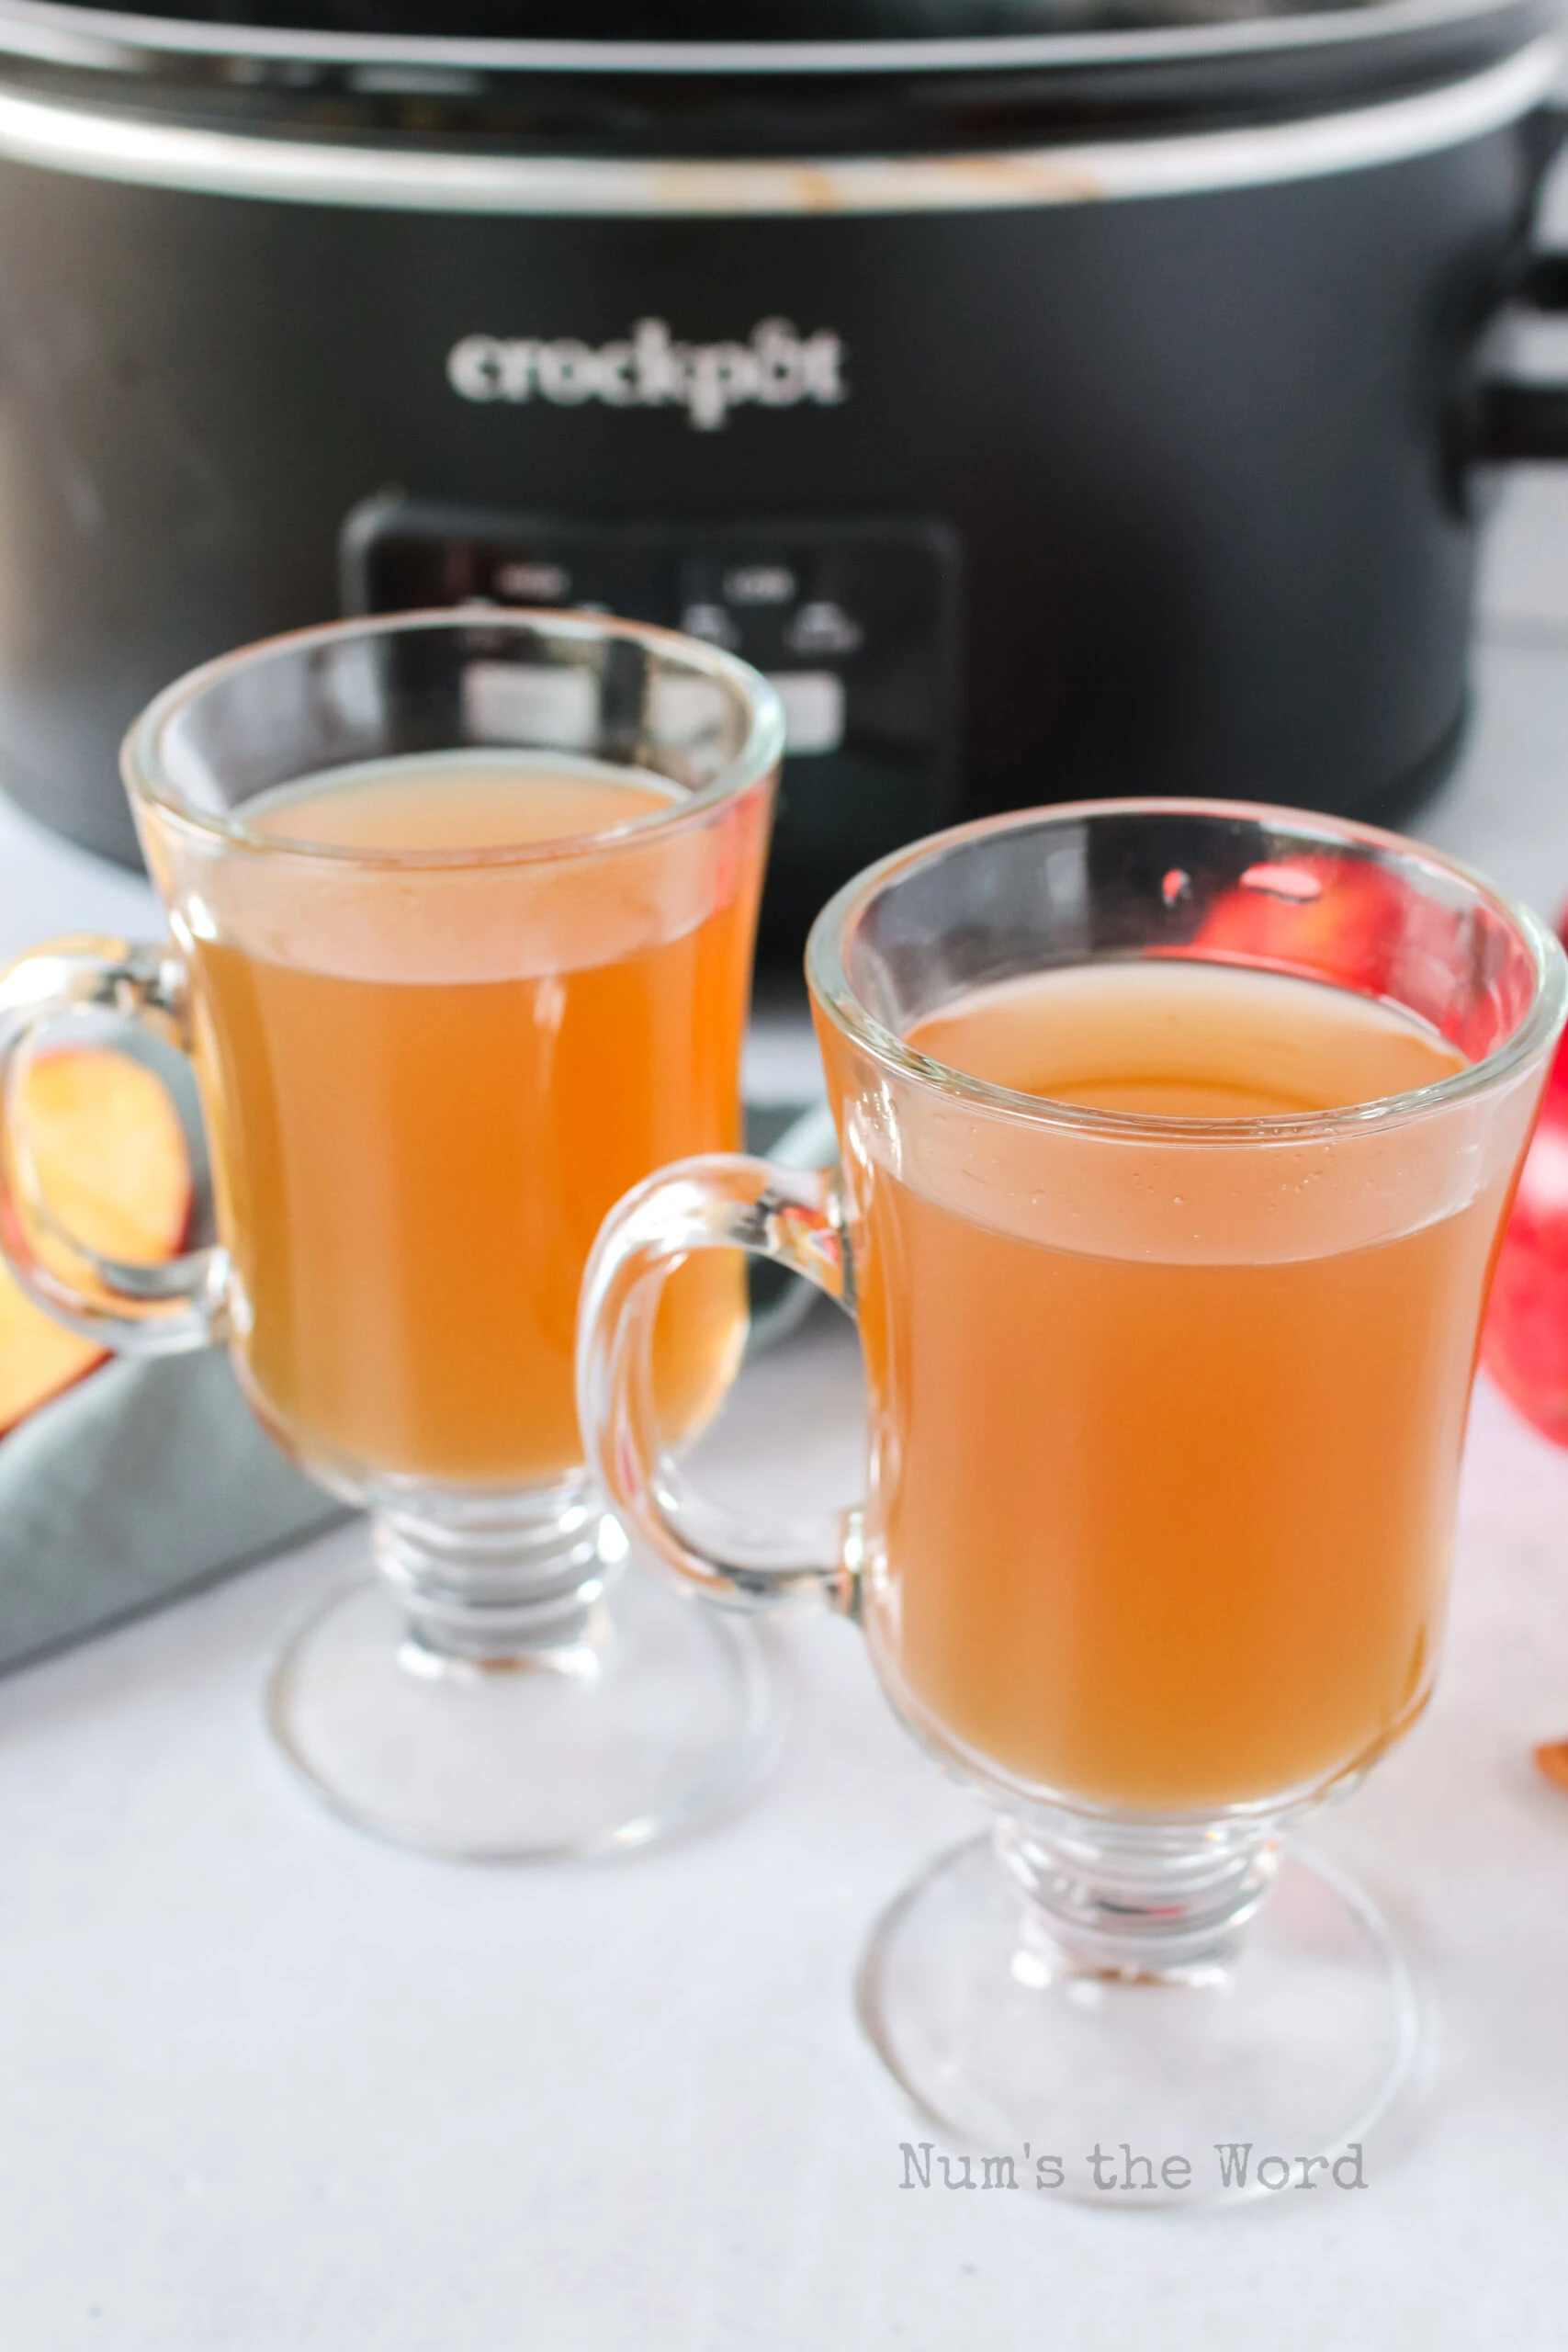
(687, 79)
(766, 34)
(769, 22)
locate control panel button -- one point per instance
(511, 702)
(823, 626)
(534, 583)
(684, 711)
(712, 624)
(813, 710)
(759, 584)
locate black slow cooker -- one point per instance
(1056, 396)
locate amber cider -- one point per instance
(428, 1082)
(1163, 1517)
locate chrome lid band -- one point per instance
(113, 39)
(152, 154)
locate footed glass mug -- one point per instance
(1165, 1409)
(462, 913)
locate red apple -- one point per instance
(1525, 1345)
(1339, 917)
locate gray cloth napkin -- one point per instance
(142, 1483)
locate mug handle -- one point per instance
(719, 1201)
(134, 1310)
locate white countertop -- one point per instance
(267, 2087)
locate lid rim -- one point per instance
(51, 32)
(1312, 143)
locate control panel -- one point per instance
(856, 623)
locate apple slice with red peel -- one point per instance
(112, 1163)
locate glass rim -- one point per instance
(142, 771)
(828, 979)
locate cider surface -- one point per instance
(1171, 1038)
(1165, 1527)
(473, 801)
(411, 1166)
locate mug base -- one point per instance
(1260, 2071)
(664, 1713)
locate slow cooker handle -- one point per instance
(1523, 421)
(1516, 422)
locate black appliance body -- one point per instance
(1054, 414)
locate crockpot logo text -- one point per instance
(776, 369)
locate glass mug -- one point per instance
(425, 1073)
(1165, 1416)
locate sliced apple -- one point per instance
(111, 1160)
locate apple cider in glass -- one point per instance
(460, 914)
(417, 1128)
(1166, 1497)
(1176, 1142)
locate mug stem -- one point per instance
(512, 1582)
(495, 1690)
(1138, 1898)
